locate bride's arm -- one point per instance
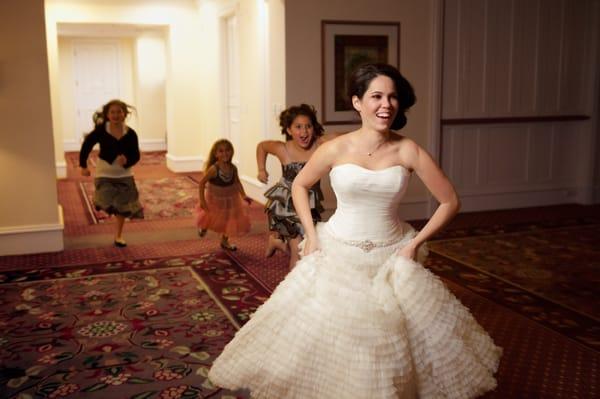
(440, 187)
(319, 164)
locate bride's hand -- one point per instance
(309, 246)
(408, 251)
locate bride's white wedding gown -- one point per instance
(355, 321)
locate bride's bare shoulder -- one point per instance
(338, 143)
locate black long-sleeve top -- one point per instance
(110, 147)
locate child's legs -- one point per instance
(119, 222)
(294, 251)
(274, 243)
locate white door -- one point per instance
(96, 71)
(233, 81)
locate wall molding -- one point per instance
(61, 169)
(71, 145)
(254, 188)
(514, 119)
(184, 164)
(153, 145)
(31, 239)
(474, 202)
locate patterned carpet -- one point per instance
(162, 198)
(548, 273)
(70, 333)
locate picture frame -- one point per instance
(345, 45)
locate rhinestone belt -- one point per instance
(366, 245)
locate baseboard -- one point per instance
(254, 188)
(585, 195)
(475, 202)
(596, 195)
(153, 145)
(184, 164)
(412, 209)
(32, 239)
(71, 145)
(61, 170)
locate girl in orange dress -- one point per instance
(222, 197)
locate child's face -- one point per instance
(116, 114)
(302, 131)
(224, 153)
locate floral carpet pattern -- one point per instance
(68, 332)
(166, 197)
(513, 268)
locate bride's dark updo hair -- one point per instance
(361, 78)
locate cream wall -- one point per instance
(184, 51)
(194, 89)
(303, 69)
(149, 74)
(261, 38)
(30, 218)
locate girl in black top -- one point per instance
(115, 189)
(221, 196)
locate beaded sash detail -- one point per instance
(365, 245)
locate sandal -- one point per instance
(227, 246)
(120, 243)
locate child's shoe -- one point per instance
(227, 246)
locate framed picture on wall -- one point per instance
(344, 46)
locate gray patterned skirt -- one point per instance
(118, 196)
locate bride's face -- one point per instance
(379, 105)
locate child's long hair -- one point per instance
(101, 116)
(212, 158)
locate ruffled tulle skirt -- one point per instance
(350, 323)
(227, 212)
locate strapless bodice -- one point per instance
(367, 202)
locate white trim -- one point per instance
(254, 188)
(184, 164)
(71, 145)
(31, 228)
(31, 239)
(153, 145)
(61, 169)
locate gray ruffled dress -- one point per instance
(280, 208)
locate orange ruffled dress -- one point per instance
(227, 212)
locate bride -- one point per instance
(359, 317)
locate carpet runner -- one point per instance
(162, 198)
